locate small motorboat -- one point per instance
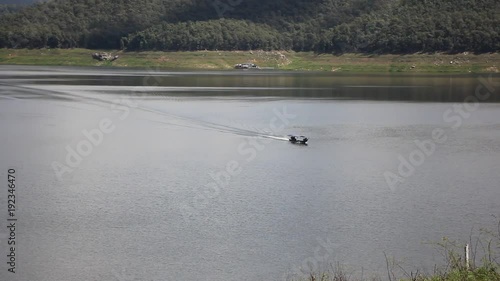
(297, 139)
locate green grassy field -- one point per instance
(283, 60)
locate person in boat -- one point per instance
(293, 138)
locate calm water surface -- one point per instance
(123, 174)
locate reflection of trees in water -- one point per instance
(276, 84)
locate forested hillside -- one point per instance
(19, 2)
(10, 6)
(372, 26)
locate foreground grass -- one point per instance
(484, 273)
(479, 274)
(283, 60)
(483, 264)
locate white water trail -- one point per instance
(276, 138)
(191, 122)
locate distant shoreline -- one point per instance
(280, 60)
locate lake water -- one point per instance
(126, 174)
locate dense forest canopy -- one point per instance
(10, 6)
(19, 2)
(373, 26)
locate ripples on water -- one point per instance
(129, 209)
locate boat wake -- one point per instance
(277, 138)
(167, 118)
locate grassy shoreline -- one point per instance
(282, 60)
